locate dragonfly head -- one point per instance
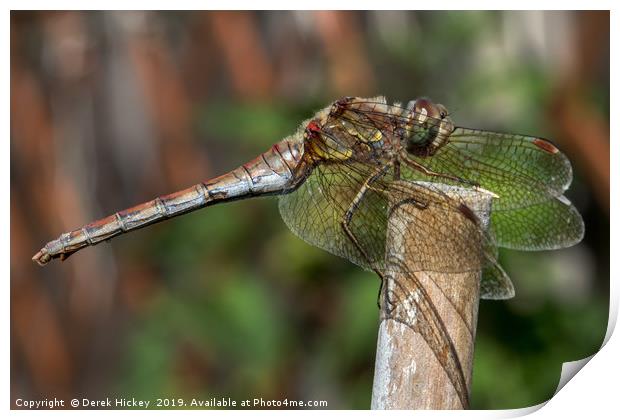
(428, 127)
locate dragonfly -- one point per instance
(340, 175)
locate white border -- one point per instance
(591, 392)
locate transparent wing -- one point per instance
(444, 234)
(317, 210)
(495, 283)
(521, 170)
(552, 224)
(526, 173)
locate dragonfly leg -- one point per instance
(348, 216)
(396, 170)
(429, 172)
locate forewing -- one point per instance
(520, 170)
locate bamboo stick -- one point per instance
(408, 374)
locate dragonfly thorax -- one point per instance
(427, 128)
(322, 145)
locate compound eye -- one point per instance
(443, 112)
(422, 106)
(424, 110)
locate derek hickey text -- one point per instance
(109, 402)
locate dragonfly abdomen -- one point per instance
(277, 171)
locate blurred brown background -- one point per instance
(110, 109)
